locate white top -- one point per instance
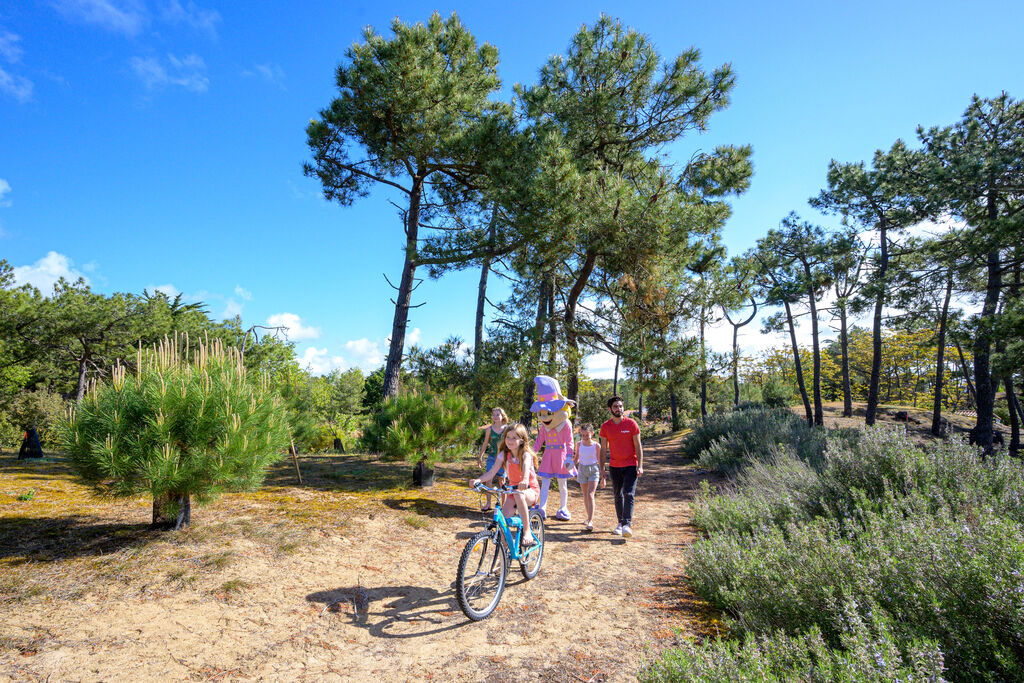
(588, 454)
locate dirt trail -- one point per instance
(375, 601)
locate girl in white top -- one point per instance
(587, 459)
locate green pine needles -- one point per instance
(422, 427)
(184, 424)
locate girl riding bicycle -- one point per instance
(518, 461)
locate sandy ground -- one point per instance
(324, 582)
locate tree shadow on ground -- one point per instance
(52, 466)
(332, 472)
(426, 507)
(46, 539)
(384, 610)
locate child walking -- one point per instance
(515, 455)
(489, 447)
(587, 458)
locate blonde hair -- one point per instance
(504, 415)
(524, 446)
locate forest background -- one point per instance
(617, 255)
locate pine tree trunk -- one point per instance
(735, 366)
(392, 370)
(819, 413)
(982, 349)
(172, 511)
(1013, 404)
(536, 344)
(876, 331)
(844, 350)
(675, 409)
(703, 371)
(572, 346)
(940, 359)
(83, 374)
(963, 370)
(797, 365)
(552, 328)
(615, 377)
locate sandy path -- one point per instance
(374, 600)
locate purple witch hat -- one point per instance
(549, 395)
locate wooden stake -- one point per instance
(295, 459)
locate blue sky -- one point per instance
(159, 143)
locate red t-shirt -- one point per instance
(621, 450)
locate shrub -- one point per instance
(421, 427)
(731, 441)
(777, 394)
(777, 491)
(867, 653)
(932, 537)
(41, 409)
(955, 582)
(176, 429)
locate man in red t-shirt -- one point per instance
(620, 439)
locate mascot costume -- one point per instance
(552, 409)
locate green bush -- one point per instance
(776, 491)
(733, 440)
(867, 653)
(777, 394)
(929, 539)
(176, 429)
(421, 427)
(41, 409)
(940, 578)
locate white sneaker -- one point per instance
(617, 530)
(627, 532)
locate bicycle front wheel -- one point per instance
(530, 559)
(482, 573)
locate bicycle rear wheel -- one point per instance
(482, 573)
(530, 559)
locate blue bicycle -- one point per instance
(487, 557)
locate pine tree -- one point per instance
(180, 426)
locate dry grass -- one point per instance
(57, 540)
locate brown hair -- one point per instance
(524, 446)
(504, 415)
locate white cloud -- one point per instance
(293, 326)
(44, 273)
(231, 309)
(198, 19)
(5, 187)
(243, 293)
(18, 87)
(317, 362)
(188, 72)
(120, 16)
(413, 337)
(271, 72)
(168, 289)
(365, 354)
(601, 365)
(9, 48)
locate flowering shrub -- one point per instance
(926, 545)
(731, 441)
(868, 654)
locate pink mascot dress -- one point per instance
(552, 409)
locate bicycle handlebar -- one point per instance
(503, 489)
